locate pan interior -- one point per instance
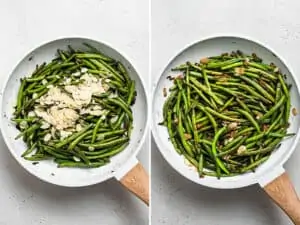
(193, 53)
(47, 170)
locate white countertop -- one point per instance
(176, 24)
(25, 25)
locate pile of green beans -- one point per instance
(227, 113)
(101, 137)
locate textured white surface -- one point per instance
(176, 24)
(26, 25)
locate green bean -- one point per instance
(96, 129)
(200, 93)
(278, 92)
(283, 85)
(205, 89)
(205, 128)
(196, 137)
(200, 165)
(184, 98)
(73, 137)
(281, 135)
(107, 67)
(255, 138)
(287, 109)
(109, 153)
(232, 143)
(28, 131)
(261, 66)
(182, 137)
(116, 101)
(209, 116)
(188, 91)
(20, 94)
(274, 108)
(249, 74)
(101, 136)
(219, 163)
(275, 122)
(233, 65)
(178, 103)
(222, 63)
(105, 144)
(250, 118)
(244, 106)
(256, 152)
(206, 79)
(80, 164)
(92, 56)
(205, 141)
(245, 131)
(169, 126)
(74, 143)
(268, 87)
(232, 148)
(29, 150)
(255, 164)
(263, 107)
(191, 160)
(261, 72)
(221, 116)
(38, 69)
(258, 88)
(92, 65)
(36, 157)
(55, 154)
(246, 88)
(228, 103)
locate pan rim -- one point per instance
(229, 185)
(126, 160)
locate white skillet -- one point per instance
(271, 175)
(123, 166)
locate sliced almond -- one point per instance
(198, 125)
(241, 149)
(187, 136)
(226, 157)
(233, 125)
(204, 60)
(176, 120)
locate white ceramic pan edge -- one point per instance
(121, 165)
(269, 174)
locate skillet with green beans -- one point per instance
(227, 113)
(76, 109)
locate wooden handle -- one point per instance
(137, 181)
(282, 191)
